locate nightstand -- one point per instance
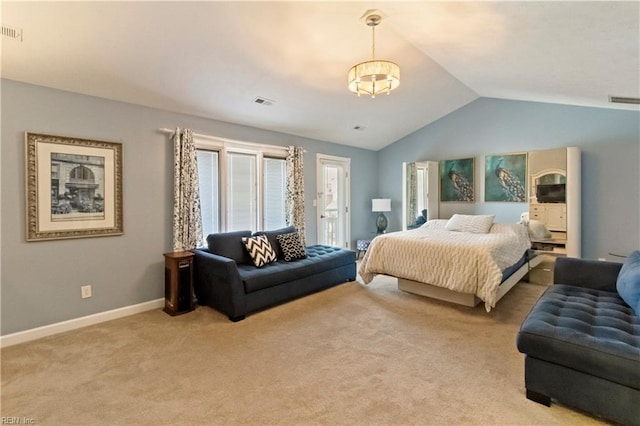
(178, 282)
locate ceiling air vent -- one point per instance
(264, 101)
(623, 100)
(13, 33)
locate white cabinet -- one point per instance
(556, 219)
(554, 216)
(561, 166)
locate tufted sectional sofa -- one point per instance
(582, 341)
(226, 279)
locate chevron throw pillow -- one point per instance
(291, 246)
(260, 250)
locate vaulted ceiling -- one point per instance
(212, 59)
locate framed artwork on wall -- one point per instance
(457, 181)
(505, 178)
(74, 187)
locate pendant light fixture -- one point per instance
(375, 76)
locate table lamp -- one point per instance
(381, 205)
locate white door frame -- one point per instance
(345, 163)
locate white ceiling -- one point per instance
(212, 59)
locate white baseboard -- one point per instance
(60, 327)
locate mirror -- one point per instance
(417, 207)
(550, 179)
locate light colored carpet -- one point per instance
(348, 355)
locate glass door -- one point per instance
(333, 201)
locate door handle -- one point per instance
(321, 216)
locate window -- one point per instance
(242, 202)
(421, 190)
(275, 183)
(242, 186)
(209, 191)
(81, 173)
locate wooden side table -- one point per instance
(178, 282)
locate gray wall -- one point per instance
(41, 280)
(609, 140)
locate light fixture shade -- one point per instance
(374, 77)
(381, 205)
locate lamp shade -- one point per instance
(374, 77)
(381, 205)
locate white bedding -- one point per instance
(460, 261)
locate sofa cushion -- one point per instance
(292, 247)
(628, 283)
(319, 258)
(272, 236)
(589, 330)
(229, 244)
(260, 250)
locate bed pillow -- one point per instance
(478, 224)
(291, 246)
(538, 231)
(628, 283)
(260, 250)
(435, 224)
(517, 229)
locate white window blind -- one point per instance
(242, 202)
(242, 185)
(275, 176)
(208, 176)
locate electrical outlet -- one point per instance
(85, 291)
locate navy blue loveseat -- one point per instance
(582, 340)
(226, 279)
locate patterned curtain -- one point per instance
(412, 193)
(187, 218)
(295, 189)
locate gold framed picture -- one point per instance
(74, 187)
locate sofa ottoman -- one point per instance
(582, 343)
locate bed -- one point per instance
(467, 259)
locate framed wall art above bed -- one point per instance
(457, 182)
(505, 177)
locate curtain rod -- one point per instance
(200, 135)
(172, 132)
